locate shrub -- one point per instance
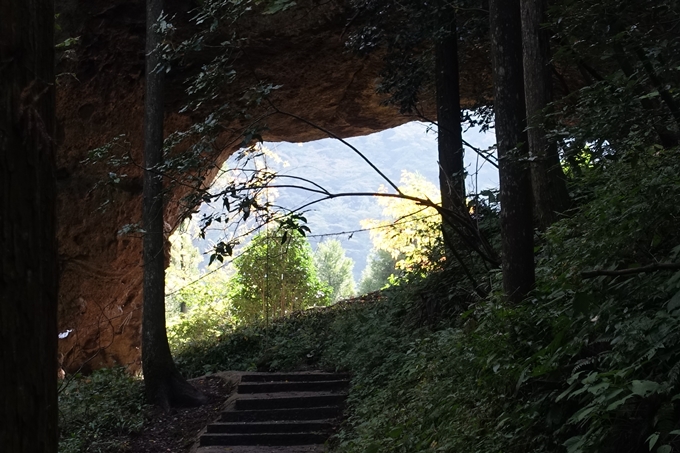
(98, 412)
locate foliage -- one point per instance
(583, 365)
(622, 334)
(411, 233)
(284, 344)
(197, 302)
(334, 269)
(275, 276)
(98, 412)
(407, 30)
(185, 261)
(211, 314)
(381, 266)
(627, 53)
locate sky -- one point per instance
(330, 163)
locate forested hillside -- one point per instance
(542, 317)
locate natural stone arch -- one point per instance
(100, 96)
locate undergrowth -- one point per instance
(97, 413)
(582, 365)
(588, 363)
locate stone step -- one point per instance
(314, 413)
(293, 377)
(310, 438)
(271, 427)
(290, 402)
(292, 386)
(279, 412)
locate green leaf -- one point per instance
(644, 388)
(651, 95)
(582, 414)
(664, 449)
(618, 403)
(278, 6)
(396, 432)
(373, 448)
(69, 42)
(574, 444)
(674, 302)
(653, 439)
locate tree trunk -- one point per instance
(450, 140)
(551, 197)
(515, 182)
(163, 384)
(28, 252)
(449, 136)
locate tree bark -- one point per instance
(449, 133)
(28, 252)
(511, 138)
(450, 140)
(163, 383)
(551, 197)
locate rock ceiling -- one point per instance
(100, 97)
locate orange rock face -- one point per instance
(100, 97)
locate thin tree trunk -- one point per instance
(551, 197)
(450, 140)
(511, 138)
(164, 385)
(28, 252)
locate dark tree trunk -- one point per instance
(28, 253)
(449, 136)
(551, 197)
(450, 140)
(515, 182)
(163, 384)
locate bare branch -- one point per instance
(344, 142)
(479, 152)
(629, 271)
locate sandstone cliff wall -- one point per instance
(100, 96)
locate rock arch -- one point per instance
(100, 96)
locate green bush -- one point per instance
(288, 343)
(203, 323)
(98, 412)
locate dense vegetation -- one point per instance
(586, 364)
(98, 413)
(585, 355)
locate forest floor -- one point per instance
(178, 430)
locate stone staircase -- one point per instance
(279, 412)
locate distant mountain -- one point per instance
(333, 165)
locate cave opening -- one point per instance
(409, 148)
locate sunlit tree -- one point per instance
(274, 278)
(334, 269)
(410, 232)
(197, 300)
(379, 269)
(185, 261)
